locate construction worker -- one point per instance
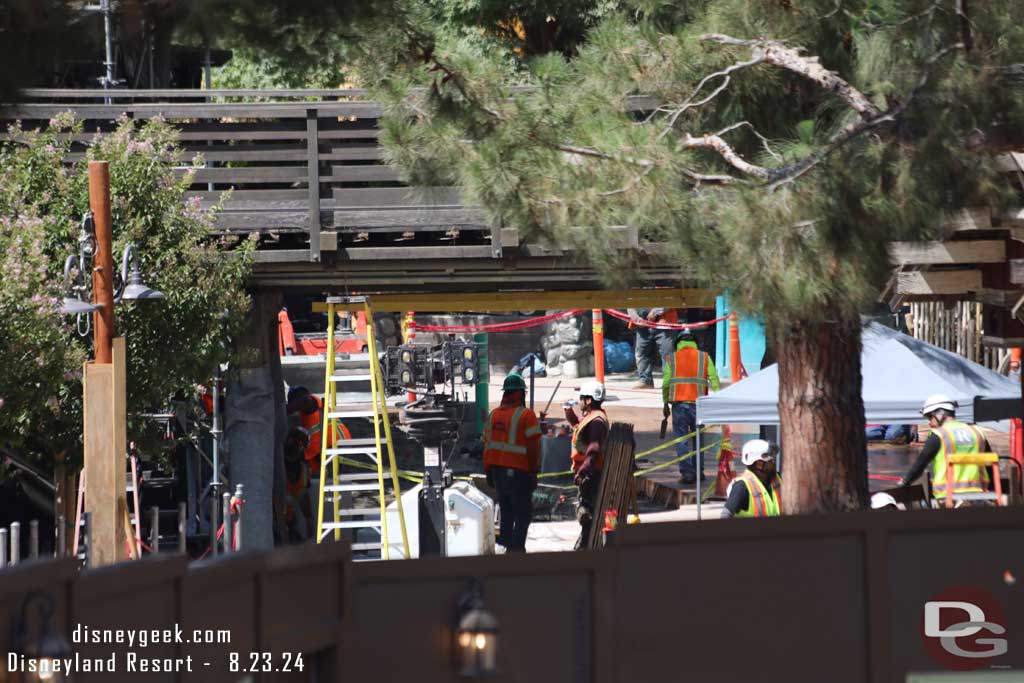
(949, 436)
(647, 338)
(588, 435)
(511, 461)
(298, 507)
(758, 491)
(689, 373)
(310, 411)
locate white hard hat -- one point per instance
(757, 449)
(937, 401)
(593, 389)
(883, 500)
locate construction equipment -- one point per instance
(337, 486)
(981, 460)
(617, 491)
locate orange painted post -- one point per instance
(598, 328)
(103, 261)
(735, 362)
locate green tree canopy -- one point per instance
(173, 344)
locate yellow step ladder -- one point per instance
(335, 484)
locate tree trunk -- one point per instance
(821, 415)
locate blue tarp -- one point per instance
(899, 372)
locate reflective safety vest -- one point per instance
(958, 438)
(761, 502)
(314, 422)
(507, 436)
(579, 448)
(687, 370)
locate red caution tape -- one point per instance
(663, 326)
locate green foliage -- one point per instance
(172, 345)
(806, 238)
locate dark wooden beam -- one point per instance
(942, 253)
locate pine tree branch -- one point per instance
(724, 74)
(777, 54)
(788, 175)
(728, 154)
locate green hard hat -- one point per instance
(513, 382)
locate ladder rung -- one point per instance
(350, 378)
(350, 413)
(367, 546)
(343, 450)
(359, 476)
(352, 487)
(351, 512)
(355, 524)
(368, 441)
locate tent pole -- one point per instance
(697, 456)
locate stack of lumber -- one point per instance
(617, 490)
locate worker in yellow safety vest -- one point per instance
(588, 433)
(689, 373)
(949, 436)
(511, 461)
(758, 491)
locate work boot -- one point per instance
(643, 385)
(687, 478)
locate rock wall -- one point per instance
(569, 347)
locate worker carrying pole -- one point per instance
(689, 373)
(949, 437)
(758, 491)
(588, 435)
(511, 461)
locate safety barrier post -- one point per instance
(154, 529)
(735, 362)
(15, 543)
(182, 517)
(409, 334)
(62, 537)
(240, 507)
(1016, 430)
(597, 326)
(3, 548)
(214, 512)
(226, 516)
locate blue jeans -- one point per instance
(648, 342)
(887, 432)
(684, 421)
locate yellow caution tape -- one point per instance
(674, 460)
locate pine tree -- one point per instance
(785, 143)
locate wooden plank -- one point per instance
(979, 218)
(251, 195)
(313, 170)
(935, 253)
(360, 174)
(402, 218)
(258, 174)
(259, 205)
(251, 153)
(349, 134)
(281, 256)
(1017, 271)
(939, 282)
(352, 152)
(96, 93)
(396, 196)
(196, 110)
(262, 219)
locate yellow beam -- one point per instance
(534, 301)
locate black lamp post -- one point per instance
(476, 635)
(40, 652)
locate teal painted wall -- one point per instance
(752, 340)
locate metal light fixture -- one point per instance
(130, 288)
(476, 635)
(39, 657)
(134, 289)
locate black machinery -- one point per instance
(433, 419)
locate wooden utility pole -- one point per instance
(103, 260)
(105, 385)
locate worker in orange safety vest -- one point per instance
(588, 435)
(310, 410)
(511, 461)
(298, 507)
(650, 342)
(689, 373)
